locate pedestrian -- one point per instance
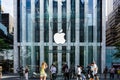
(21, 72)
(65, 71)
(105, 72)
(26, 73)
(91, 71)
(83, 73)
(0, 72)
(112, 72)
(88, 71)
(43, 74)
(95, 71)
(72, 72)
(53, 71)
(118, 72)
(79, 70)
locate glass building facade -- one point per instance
(0, 10)
(82, 21)
(110, 60)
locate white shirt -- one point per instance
(53, 69)
(95, 68)
(79, 71)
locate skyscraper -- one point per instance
(82, 21)
(113, 25)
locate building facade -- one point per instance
(112, 31)
(82, 21)
(0, 10)
(7, 20)
(110, 60)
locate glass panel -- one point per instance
(99, 57)
(28, 27)
(90, 33)
(109, 57)
(55, 8)
(90, 54)
(63, 54)
(64, 9)
(90, 21)
(46, 22)
(19, 28)
(46, 31)
(19, 57)
(37, 58)
(64, 18)
(72, 20)
(28, 55)
(28, 5)
(55, 24)
(37, 22)
(54, 54)
(37, 32)
(81, 55)
(20, 49)
(81, 37)
(99, 20)
(28, 20)
(72, 56)
(46, 50)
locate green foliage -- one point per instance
(3, 45)
(117, 54)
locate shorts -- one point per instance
(43, 75)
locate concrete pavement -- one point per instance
(16, 77)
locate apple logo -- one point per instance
(59, 37)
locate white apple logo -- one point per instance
(59, 37)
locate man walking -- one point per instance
(79, 70)
(53, 71)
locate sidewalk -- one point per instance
(16, 77)
(9, 76)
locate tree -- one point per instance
(3, 45)
(117, 53)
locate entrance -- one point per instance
(33, 56)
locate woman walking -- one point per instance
(26, 73)
(43, 74)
